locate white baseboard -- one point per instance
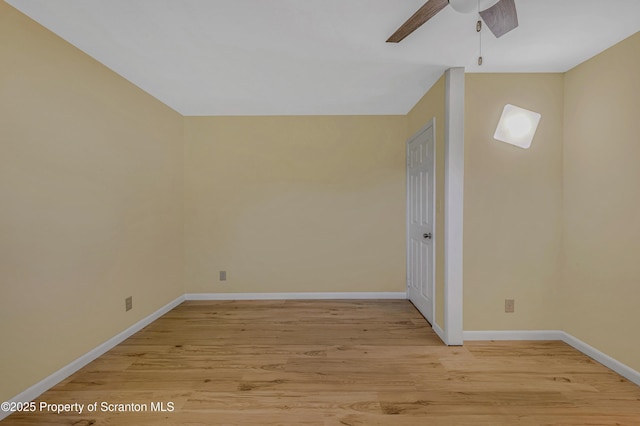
(296, 296)
(604, 359)
(513, 335)
(47, 383)
(55, 378)
(593, 353)
(440, 332)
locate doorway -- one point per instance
(421, 220)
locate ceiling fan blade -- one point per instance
(501, 17)
(426, 12)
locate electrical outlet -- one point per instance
(223, 275)
(128, 303)
(509, 305)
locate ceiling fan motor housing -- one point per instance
(469, 6)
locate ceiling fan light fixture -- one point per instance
(464, 6)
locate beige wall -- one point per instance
(582, 168)
(295, 204)
(92, 199)
(602, 202)
(90, 203)
(512, 205)
(432, 105)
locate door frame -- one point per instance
(453, 205)
(451, 332)
(431, 124)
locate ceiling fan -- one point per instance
(501, 17)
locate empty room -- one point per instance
(362, 212)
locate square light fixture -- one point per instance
(517, 126)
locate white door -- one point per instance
(420, 220)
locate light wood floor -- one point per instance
(336, 363)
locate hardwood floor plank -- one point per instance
(335, 362)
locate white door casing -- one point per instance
(421, 220)
(453, 205)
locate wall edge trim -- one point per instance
(581, 346)
(439, 331)
(469, 335)
(50, 381)
(296, 296)
(604, 359)
(513, 335)
(453, 206)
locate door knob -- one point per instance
(427, 236)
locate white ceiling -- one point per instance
(297, 57)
